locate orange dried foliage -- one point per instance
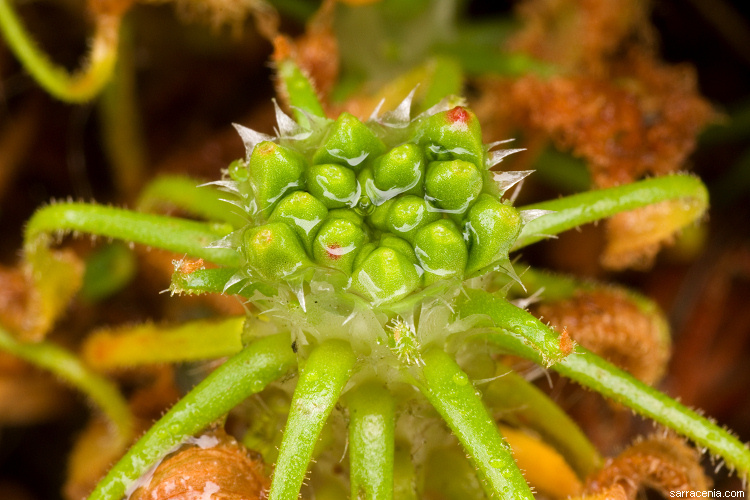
(662, 463)
(579, 35)
(610, 324)
(643, 120)
(226, 471)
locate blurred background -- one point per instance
(677, 74)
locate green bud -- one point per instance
(334, 185)
(367, 249)
(274, 171)
(453, 185)
(400, 170)
(441, 251)
(379, 216)
(304, 213)
(388, 240)
(274, 251)
(493, 228)
(385, 276)
(350, 143)
(338, 243)
(408, 214)
(452, 135)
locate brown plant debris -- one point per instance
(580, 35)
(608, 322)
(664, 463)
(224, 470)
(641, 120)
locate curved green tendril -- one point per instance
(69, 368)
(321, 381)
(371, 442)
(521, 334)
(247, 373)
(451, 393)
(168, 233)
(79, 87)
(185, 193)
(582, 208)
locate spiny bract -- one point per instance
(382, 209)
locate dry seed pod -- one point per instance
(664, 464)
(222, 471)
(609, 323)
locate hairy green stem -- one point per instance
(168, 233)
(187, 194)
(247, 373)
(69, 368)
(321, 381)
(519, 333)
(450, 391)
(149, 344)
(79, 87)
(578, 209)
(371, 442)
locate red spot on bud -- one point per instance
(458, 115)
(334, 251)
(263, 237)
(266, 148)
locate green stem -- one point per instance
(452, 394)
(519, 332)
(299, 88)
(525, 404)
(245, 374)
(371, 442)
(320, 384)
(168, 233)
(187, 194)
(79, 87)
(70, 369)
(578, 209)
(149, 344)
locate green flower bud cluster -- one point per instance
(392, 205)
